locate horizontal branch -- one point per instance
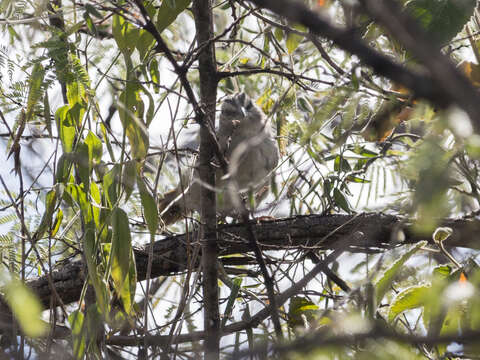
(372, 232)
(321, 339)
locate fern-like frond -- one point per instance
(5, 219)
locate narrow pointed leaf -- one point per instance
(384, 283)
(122, 258)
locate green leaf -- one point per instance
(441, 19)
(131, 110)
(75, 113)
(66, 128)
(95, 203)
(151, 107)
(25, 307)
(294, 40)
(301, 309)
(341, 164)
(76, 94)
(90, 9)
(128, 177)
(94, 329)
(356, 179)
(95, 149)
(81, 165)
(149, 205)
(76, 321)
(46, 222)
(364, 152)
(443, 270)
(90, 24)
(35, 91)
(278, 33)
(90, 246)
(234, 290)
(122, 259)
(110, 185)
(125, 34)
(386, 280)
(79, 196)
(46, 114)
(168, 12)
(410, 298)
(57, 223)
(153, 69)
(74, 28)
(64, 167)
(304, 105)
(340, 200)
(144, 42)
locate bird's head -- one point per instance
(240, 107)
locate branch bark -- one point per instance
(202, 13)
(370, 232)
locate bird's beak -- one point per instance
(243, 111)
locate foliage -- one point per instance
(97, 120)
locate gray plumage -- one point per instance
(245, 138)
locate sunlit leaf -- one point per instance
(76, 94)
(57, 223)
(125, 34)
(79, 197)
(82, 165)
(35, 91)
(301, 309)
(66, 127)
(131, 111)
(95, 149)
(168, 12)
(386, 280)
(46, 114)
(122, 258)
(410, 298)
(341, 164)
(25, 307)
(76, 321)
(46, 222)
(293, 41)
(110, 185)
(144, 42)
(357, 179)
(149, 205)
(154, 74)
(129, 177)
(63, 170)
(443, 270)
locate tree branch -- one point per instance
(207, 67)
(372, 232)
(423, 85)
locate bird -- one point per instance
(246, 140)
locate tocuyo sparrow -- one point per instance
(245, 138)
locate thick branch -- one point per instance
(202, 13)
(368, 232)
